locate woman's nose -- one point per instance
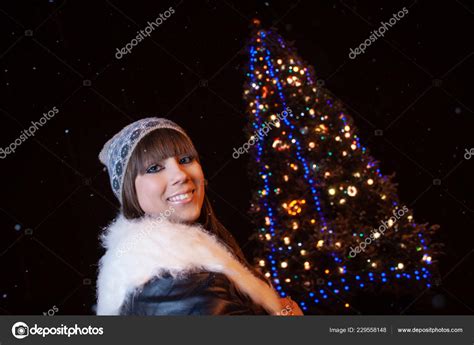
(177, 171)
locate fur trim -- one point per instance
(139, 250)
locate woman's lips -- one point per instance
(182, 198)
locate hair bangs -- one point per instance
(161, 144)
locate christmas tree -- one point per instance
(330, 225)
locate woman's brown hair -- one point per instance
(161, 144)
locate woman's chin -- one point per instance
(187, 216)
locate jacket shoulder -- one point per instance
(195, 293)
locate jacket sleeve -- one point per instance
(202, 293)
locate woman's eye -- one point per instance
(187, 159)
(153, 169)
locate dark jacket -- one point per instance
(203, 293)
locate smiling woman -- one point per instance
(182, 263)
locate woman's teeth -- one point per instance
(181, 197)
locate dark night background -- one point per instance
(415, 85)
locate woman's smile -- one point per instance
(181, 198)
(175, 181)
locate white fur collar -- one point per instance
(138, 250)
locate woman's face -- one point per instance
(175, 185)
